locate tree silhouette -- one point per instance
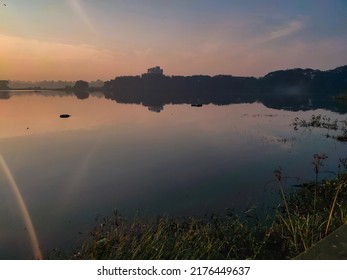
(4, 84)
(81, 86)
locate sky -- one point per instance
(89, 39)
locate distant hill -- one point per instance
(323, 82)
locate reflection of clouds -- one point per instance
(42, 116)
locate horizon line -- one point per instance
(175, 75)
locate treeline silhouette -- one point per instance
(295, 89)
(38, 85)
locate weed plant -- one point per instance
(216, 237)
(310, 212)
(304, 216)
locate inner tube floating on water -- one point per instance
(65, 116)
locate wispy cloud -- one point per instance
(284, 31)
(140, 53)
(79, 10)
(211, 47)
(35, 59)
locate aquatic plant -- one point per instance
(323, 122)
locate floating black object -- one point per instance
(65, 116)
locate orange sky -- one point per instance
(75, 39)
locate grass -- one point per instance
(217, 237)
(315, 211)
(305, 215)
(169, 238)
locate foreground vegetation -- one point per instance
(305, 215)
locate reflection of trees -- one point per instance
(81, 94)
(4, 94)
(294, 89)
(80, 89)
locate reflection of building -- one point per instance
(155, 71)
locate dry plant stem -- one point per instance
(315, 197)
(267, 236)
(332, 208)
(286, 205)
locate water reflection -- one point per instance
(82, 94)
(4, 94)
(107, 155)
(286, 99)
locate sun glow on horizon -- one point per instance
(48, 60)
(89, 40)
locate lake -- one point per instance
(175, 160)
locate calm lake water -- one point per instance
(183, 160)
